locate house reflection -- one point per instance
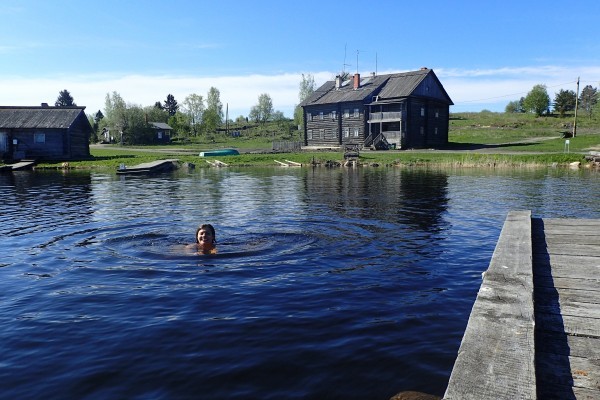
(416, 198)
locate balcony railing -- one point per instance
(385, 116)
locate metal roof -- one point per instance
(160, 125)
(38, 117)
(383, 86)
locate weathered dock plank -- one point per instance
(496, 355)
(153, 166)
(566, 263)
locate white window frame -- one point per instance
(346, 132)
(422, 111)
(320, 114)
(321, 133)
(356, 131)
(346, 113)
(333, 115)
(309, 133)
(308, 116)
(356, 113)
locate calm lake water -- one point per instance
(329, 283)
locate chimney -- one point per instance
(45, 105)
(356, 81)
(338, 81)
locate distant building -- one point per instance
(404, 110)
(44, 132)
(162, 132)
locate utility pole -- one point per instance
(576, 106)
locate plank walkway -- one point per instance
(153, 166)
(19, 166)
(534, 330)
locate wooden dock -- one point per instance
(534, 330)
(20, 166)
(149, 167)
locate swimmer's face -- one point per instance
(205, 237)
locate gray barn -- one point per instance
(45, 132)
(404, 110)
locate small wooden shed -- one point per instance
(162, 132)
(44, 132)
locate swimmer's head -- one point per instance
(205, 235)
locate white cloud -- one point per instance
(471, 90)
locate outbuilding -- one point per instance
(44, 132)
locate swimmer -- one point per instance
(206, 239)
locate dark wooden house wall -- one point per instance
(352, 122)
(329, 131)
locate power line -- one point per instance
(513, 94)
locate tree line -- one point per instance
(196, 115)
(537, 101)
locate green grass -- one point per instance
(484, 139)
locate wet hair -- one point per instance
(208, 227)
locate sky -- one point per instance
(485, 53)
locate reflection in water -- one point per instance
(329, 283)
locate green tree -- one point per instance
(262, 112)
(537, 100)
(114, 108)
(564, 101)
(171, 105)
(193, 107)
(181, 124)
(64, 99)
(213, 115)
(512, 107)
(155, 114)
(588, 99)
(307, 88)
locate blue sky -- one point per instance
(484, 53)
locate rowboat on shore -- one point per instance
(221, 152)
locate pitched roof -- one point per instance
(384, 86)
(38, 117)
(160, 125)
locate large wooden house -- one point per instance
(44, 132)
(402, 111)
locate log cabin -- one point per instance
(44, 133)
(401, 111)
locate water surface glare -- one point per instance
(328, 284)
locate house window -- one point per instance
(309, 133)
(333, 115)
(356, 113)
(39, 138)
(422, 111)
(437, 113)
(321, 115)
(346, 132)
(346, 113)
(435, 132)
(355, 132)
(422, 131)
(160, 134)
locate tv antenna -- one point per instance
(344, 65)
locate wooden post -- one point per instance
(576, 106)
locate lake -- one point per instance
(328, 283)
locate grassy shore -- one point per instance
(476, 139)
